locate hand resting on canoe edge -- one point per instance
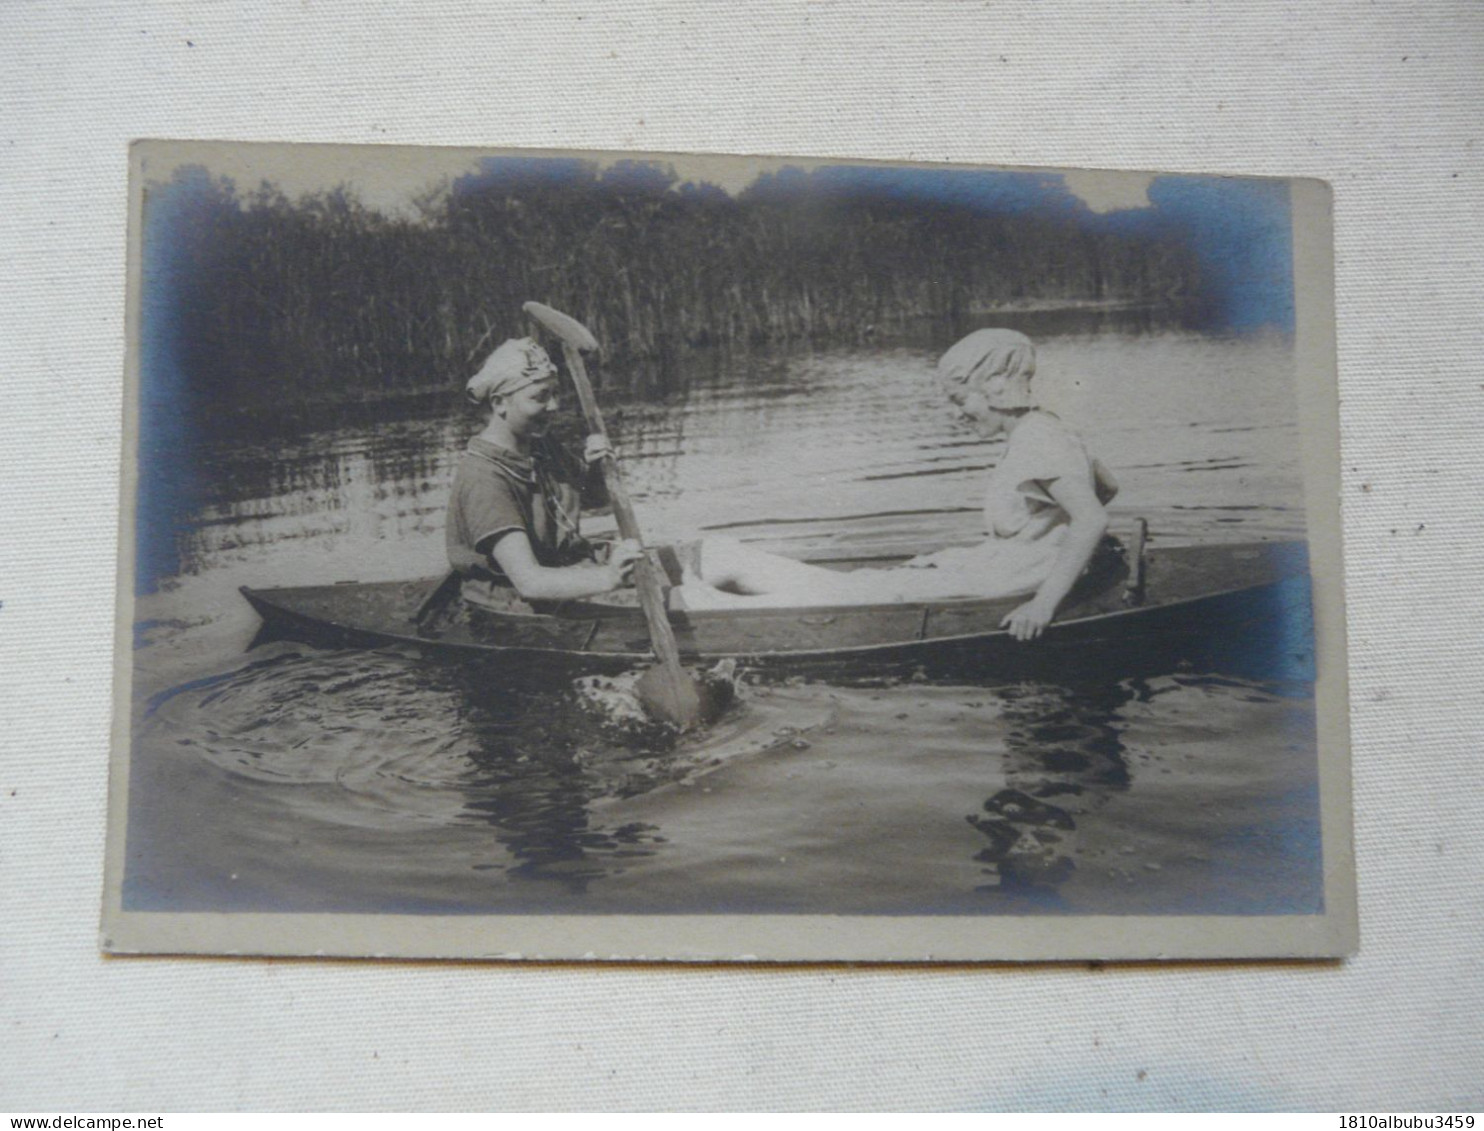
(1087, 523)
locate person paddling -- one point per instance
(513, 520)
(1044, 511)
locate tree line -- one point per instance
(270, 300)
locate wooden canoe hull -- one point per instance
(1229, 607)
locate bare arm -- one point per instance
(1089, 524)
(537, 582)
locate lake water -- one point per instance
(289, 777)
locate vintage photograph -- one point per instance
(614, 556)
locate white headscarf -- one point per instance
(514, 365)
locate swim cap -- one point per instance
(997, 362)
(514, 365)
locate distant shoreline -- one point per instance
(439, 397)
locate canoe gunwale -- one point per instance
(601, 615)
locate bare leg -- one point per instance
(728, 565)
(732, 575)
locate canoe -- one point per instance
(1242, 608)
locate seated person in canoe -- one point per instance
(1044, 512)
(512, 517)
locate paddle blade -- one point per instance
(564, 326)
(675, 697)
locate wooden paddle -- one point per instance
(437, 597)
(667, 690)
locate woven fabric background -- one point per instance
(1383, 100)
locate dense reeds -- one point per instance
(274, 301)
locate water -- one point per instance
(288, 777)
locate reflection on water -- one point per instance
(538, 765)
(391, 744)
(376, 777)
(1063, 757)
(295, 778)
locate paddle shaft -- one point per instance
(648, 574)
(437, 597)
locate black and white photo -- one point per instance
(588, 555)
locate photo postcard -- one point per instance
(609, 556)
